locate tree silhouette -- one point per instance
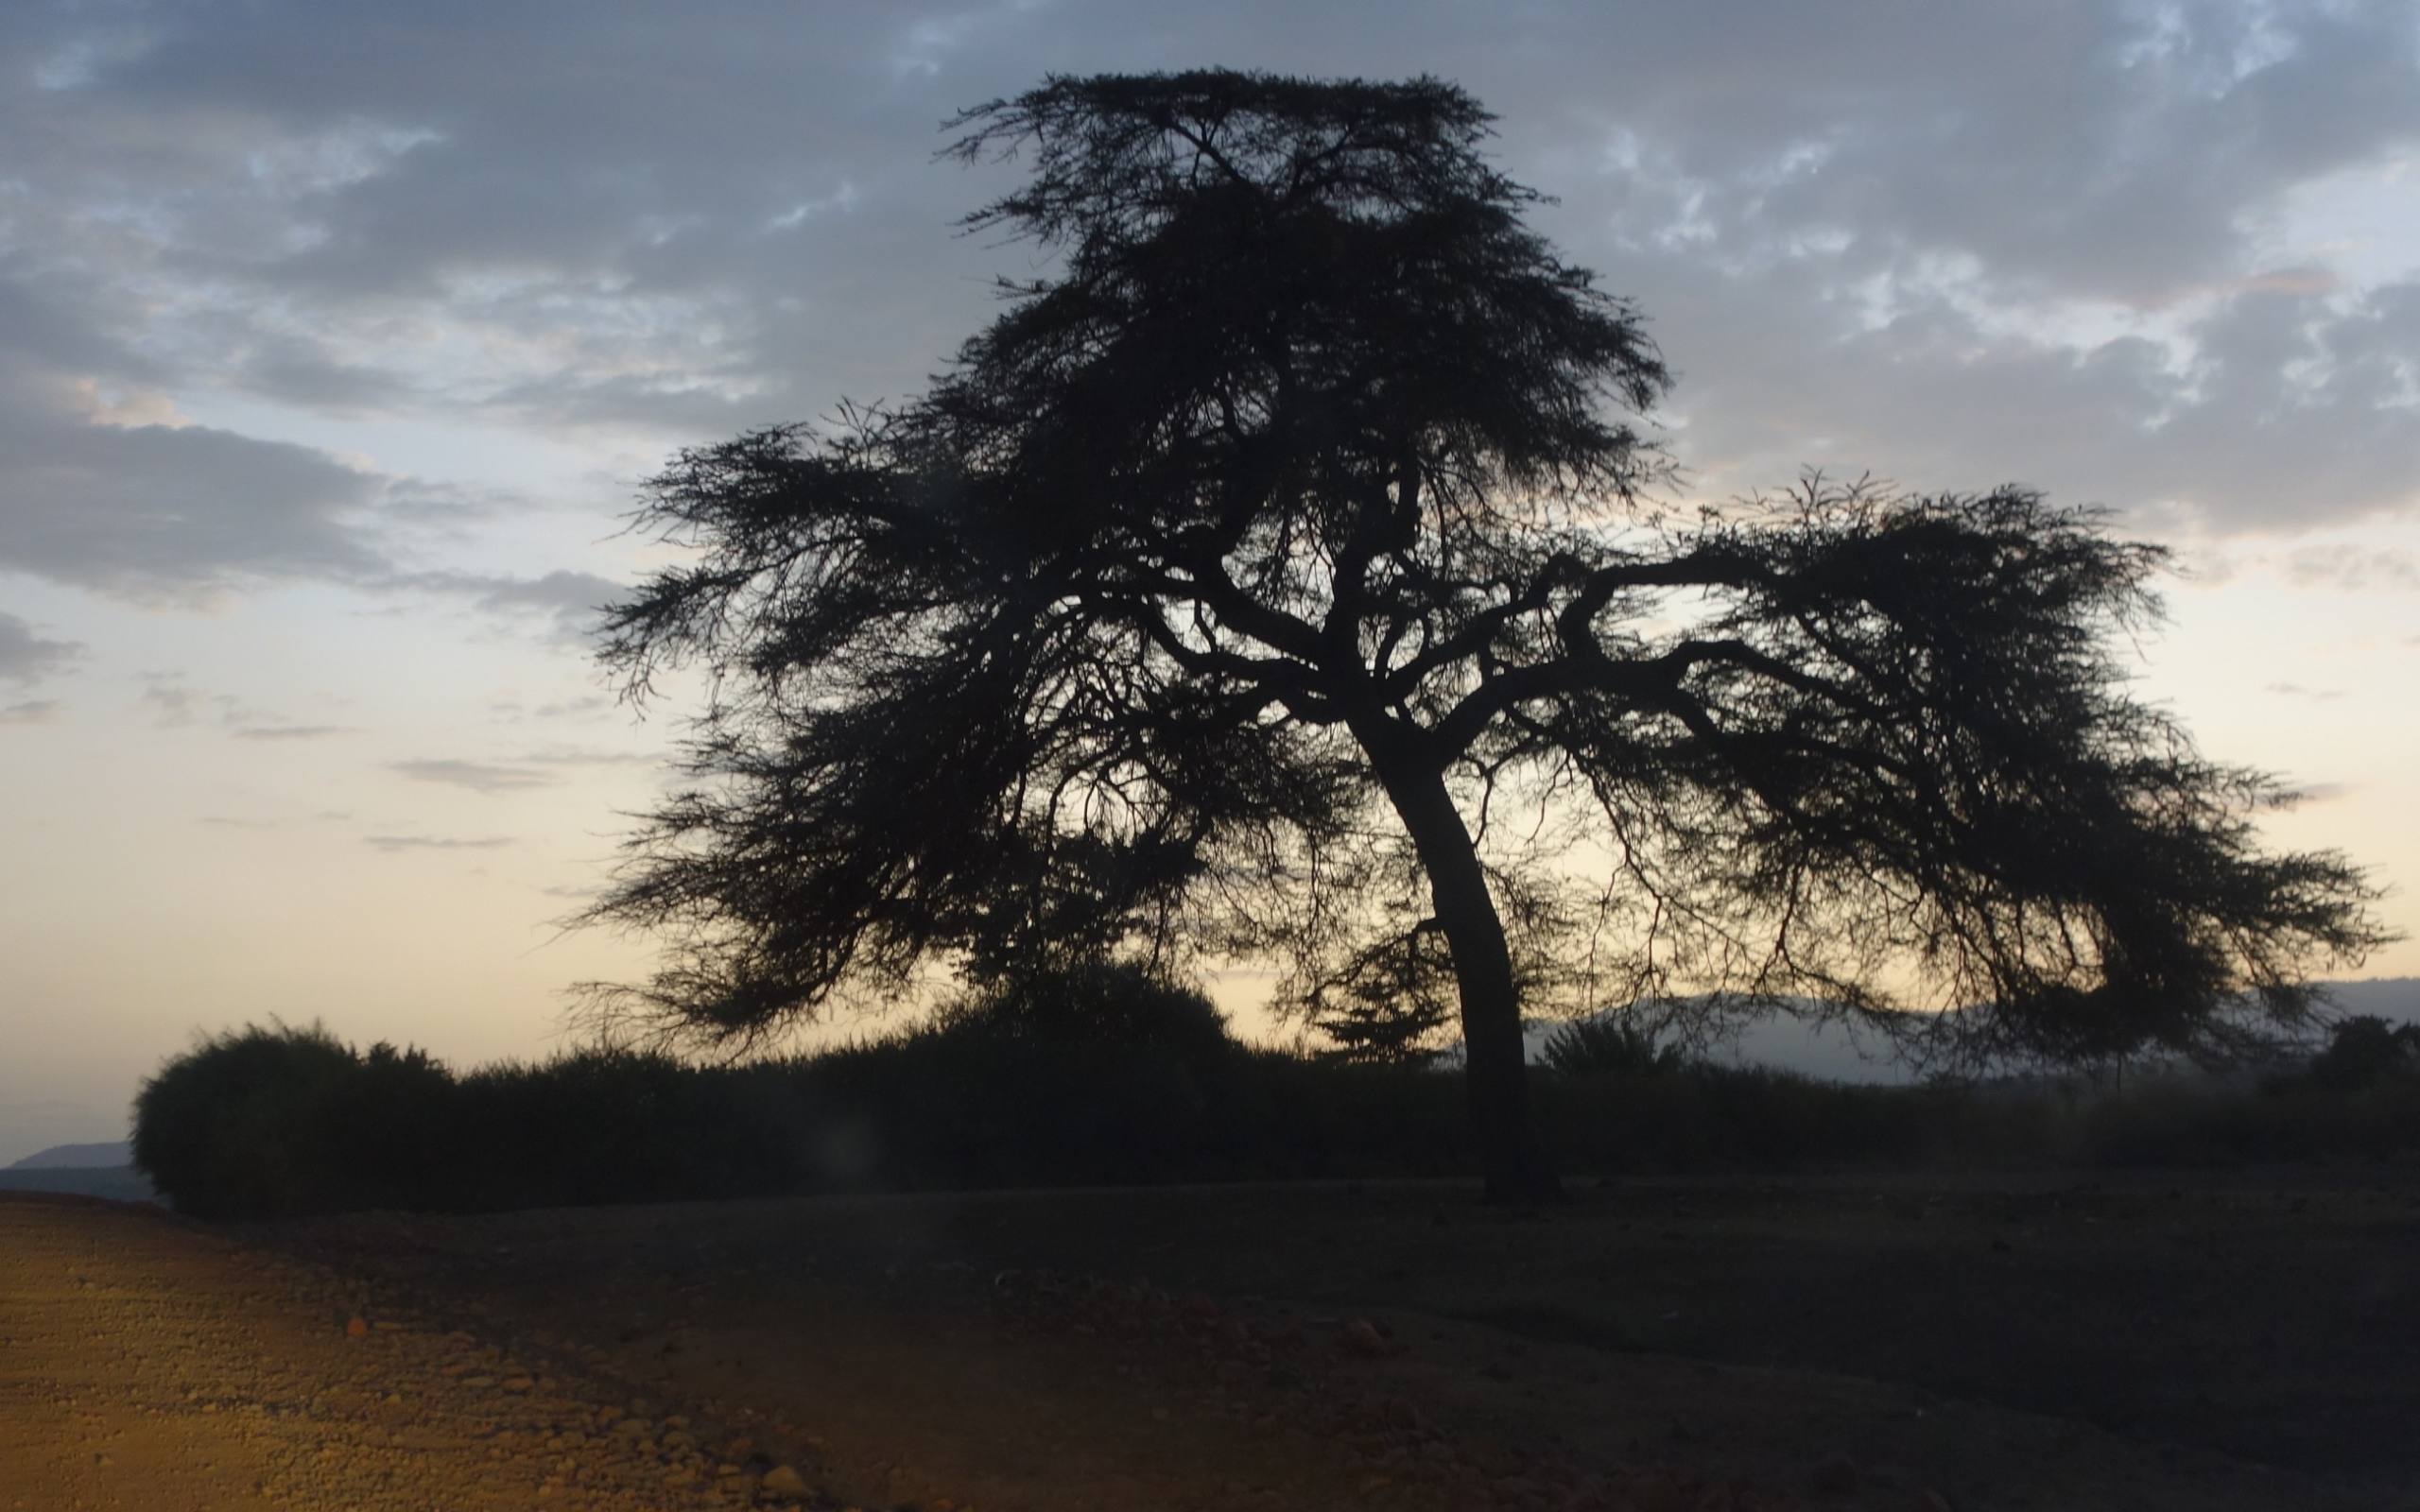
(1389, 1000)
(1278, 577)
(2363, 1050)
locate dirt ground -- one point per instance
(2160, 1342)
(147, 1364)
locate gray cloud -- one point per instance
(557, 592)
(395, 844)
(301, 370)
(574, 756)
(2256, 423)
(103, 485)
(173, 705)
(2352, 568)
(565, 603)
(1953, 244)
(285, 733)
(421, 502)
(478, 777)
(160, 511)
(31, 712)
(27, 657)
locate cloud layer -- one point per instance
(2125, 250)
(27, 656)
(478, 776)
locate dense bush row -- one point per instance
(1119, 1088)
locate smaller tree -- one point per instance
(1389, 1000)
(1611, 1045)
(269, 1122)
(1123, 1005)
(2363, 1050)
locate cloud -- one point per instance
(31, 712)
(478, 777)
(1863, 239)
(168, 513)
(396, 844)
(566, 603)
(584, 708)
(2352, 568)
(576, 756)
(299, 370)
(2295, 690)
(105, 485)
(557, 592)
(290, 731)
(421, 501)
(173, 705)
(27, 658)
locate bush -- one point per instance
(1123, 1080)
(610, 1126)
(271, 1121)
(2366, 1050)
(1609, 1046)
(1112, 1005)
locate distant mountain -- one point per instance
(120, 1183)
(1834, 1051)
(78, 1157)
(2395, 998)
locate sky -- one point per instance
(337, 338)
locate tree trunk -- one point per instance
(1494, 1069)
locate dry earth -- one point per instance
(148, 1365)
(1654, 1347)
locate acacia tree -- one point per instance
(1277, 575)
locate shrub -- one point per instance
(390, 1129)
(1122, 1080)
(2364, 1050)
(270, 1122)
(1112, 1005)
(614, 1125)
(1609, 1046)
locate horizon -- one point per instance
(326, 376)
(1833, 1052)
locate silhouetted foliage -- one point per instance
(1278, 577)
(2365, 1049)
(1121, 1005)
(265, 1122)
(280, 1121)
(1389, 1002)
(1609, 1045)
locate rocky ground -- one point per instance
(148, 1365)
(1687, 1348)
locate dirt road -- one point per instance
(1191, 1350)
(155, 1364)
(1983, 1346)
(146, 1364)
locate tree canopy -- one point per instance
(1282, 575)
